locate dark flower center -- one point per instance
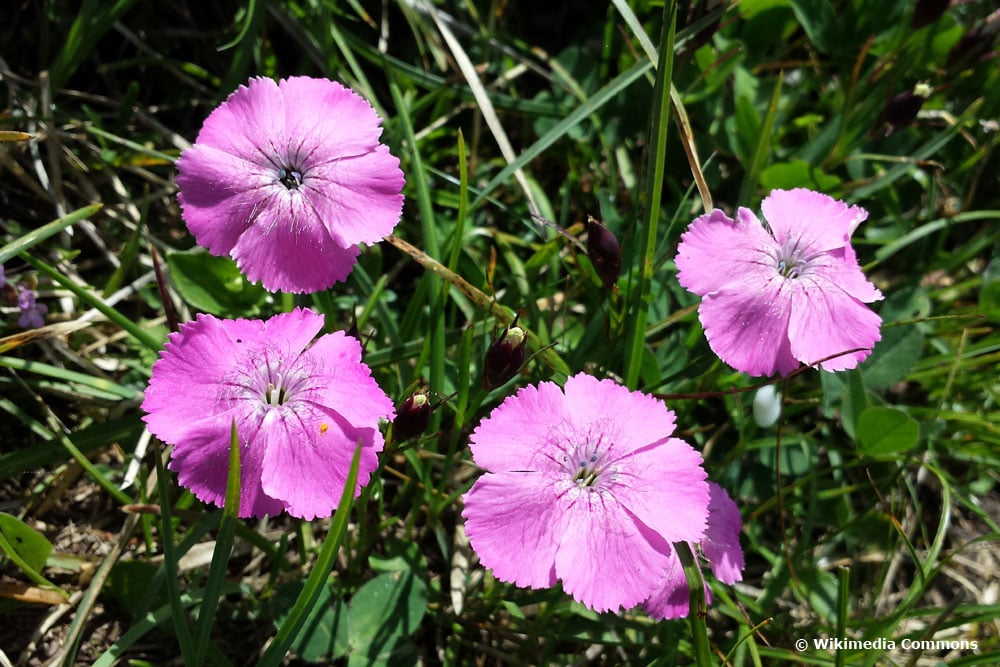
(291, 178)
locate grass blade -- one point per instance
(635, 340)
(220, 556)
(321, 570)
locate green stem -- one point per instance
(697, 606)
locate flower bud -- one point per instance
(903, 108)
(411, 417)
(766, 406)
(604, 252)
(927, 12)
(504, 358)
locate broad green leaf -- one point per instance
(819, 20)
(25, 543)
(214, 284)
(323, 636)
(855, 401)
(885, 431)
(893, 356)
(383, 613)
(797, 174)
(820, 588)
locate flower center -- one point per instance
(275, 394)
(587, 472)
(791, 260)
(291, 178)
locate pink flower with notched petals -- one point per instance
(788, 292)
(300, 410)
(288, 178)
(585, 485)
(720, 547)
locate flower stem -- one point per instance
(696, 607)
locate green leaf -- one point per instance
(214, 284)
(989, 293)
(36, 236)
(797, 174)
(323, 635)
(382, 614)
(893, 356)
(855, 401)
(24, 543)
(885, 431)
(819, 20)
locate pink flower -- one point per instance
(720, 547)
(299, 412)
(584, 485)
(788, 292)
(288, 178)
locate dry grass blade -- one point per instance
(483, 100)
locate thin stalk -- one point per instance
(697, 606)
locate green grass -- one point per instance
(503, 113)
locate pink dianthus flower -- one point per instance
(788, 292)
(288, 178)
(585, 485)
(300, 410)
(720, 547)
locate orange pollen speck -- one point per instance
(323, 428)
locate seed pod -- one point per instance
(504, 358)
(604, 252)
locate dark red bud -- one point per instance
(411, 417)
(504, 358)
(927, 12)
(604, 252)
(903, 108)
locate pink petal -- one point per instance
(307, 455)
(249, 124)
(514, 435)
(186, 378)
(359, 198)
(345, 382)
(717, 250)
(628, 420)
(326, 121)
(607, 559)
(841, 269)
(295, 329)
(288, 249)
(668, 475)
(201, 460)
(673, 598)
(513, 523)
(220, 195)
(721, 544)
(825, 321)
(746, 324)
(822, 222)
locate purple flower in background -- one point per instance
(585, 485)
(288, 178)
(300, 410)
(788, 292)
(32, 313)
(720, 547)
